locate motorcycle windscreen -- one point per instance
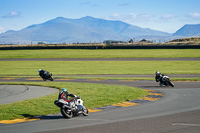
(80, 107)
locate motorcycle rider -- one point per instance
(159, 77)
(64, 94)
(70, 107)
(42, 73)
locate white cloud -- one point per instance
(131, 17)
(140, 17)
(1, 28)
(12, 14)
(168, 16)
(194, 15)
(116, 16)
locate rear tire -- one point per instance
(65, 113)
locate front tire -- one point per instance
(65, 113)
(171, 84)
(85, 111)
(51, 78)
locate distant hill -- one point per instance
(189, 30)
(185, 41)
(83, 30)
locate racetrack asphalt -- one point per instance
(14, 93)
(178, 111)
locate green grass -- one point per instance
(101, 53)
(27, 68)
(94, 95)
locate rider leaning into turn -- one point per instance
(42, 72)
(159, 77)
(64, 94)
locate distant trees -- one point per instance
(113, 41)
(144, 40)
(130, 41)
(41, 43)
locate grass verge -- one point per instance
(94, 95)
(20, 68)
(101, 53)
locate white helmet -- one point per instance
(39, 70)
(157, 73)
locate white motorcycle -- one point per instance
(72, 107)
(167, 81)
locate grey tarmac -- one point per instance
(14, 93)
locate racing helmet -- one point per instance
(157, 73)
(39, 70)
(63, 89)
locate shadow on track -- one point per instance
(50, 117)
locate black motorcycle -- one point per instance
(47, 76)
(72, 107)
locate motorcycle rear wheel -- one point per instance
(65, 113)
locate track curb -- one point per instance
(153, 96)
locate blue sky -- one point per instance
(162, 15)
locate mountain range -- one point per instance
(189, 30)
(87, 30)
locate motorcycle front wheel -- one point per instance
(66, 113)
(85, 111)
(51, 78)
(171, 84)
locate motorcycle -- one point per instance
(47, 76)
(71, 107)
(167, 81)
